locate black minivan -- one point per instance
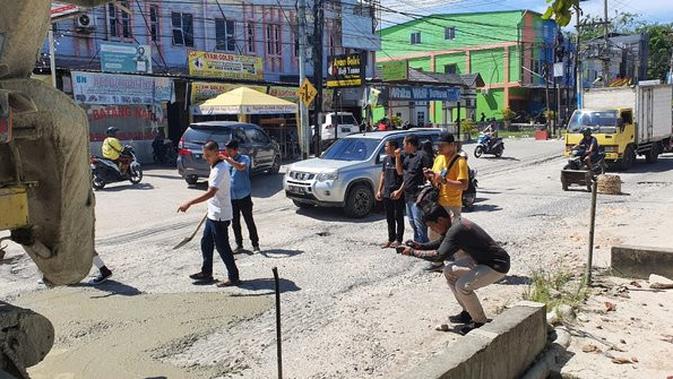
(253, 141)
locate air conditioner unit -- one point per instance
(84, 23)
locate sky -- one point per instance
(650, 10)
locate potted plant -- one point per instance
(468, 127)
(507, 116)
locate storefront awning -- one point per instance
(244, 100)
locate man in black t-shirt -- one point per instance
(389, 183)
(410, 166)
(477, 262)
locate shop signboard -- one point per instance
(219, 65)
(128, 58)
(345, 71)
(61, 10)
(111, 89)
(395, 70)
(135, 122)
(410, 93)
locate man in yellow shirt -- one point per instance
(450, 174)
(112, 147)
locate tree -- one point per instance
(661, 48)
(561, 11)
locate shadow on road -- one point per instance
(267, 285)
(484, 208)
(112, 287)
(501, 159)
(129, 187)
(265, 186)
(515, 280)
(665, 163)
(337, 215)
(161, 176)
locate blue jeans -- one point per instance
(216, 235)
(416, 220)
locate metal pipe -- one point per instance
(279, 342)
(592, 227)
(52, 58)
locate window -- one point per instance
(451, 68)
(239, 136)
(273, 41)
(119, 21)
(257, 137)
(449, 32)
(296, 45)
(183, 29)
(415, 38)
(225, 38)
(154, 23)
(250, 37)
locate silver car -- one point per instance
(347, 174)
(253, 142)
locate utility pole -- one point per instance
(52, 58)
(578, 69)
(606, 53)
(303, 111)
(670, 71)
(318, 25)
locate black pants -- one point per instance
(244, 206)
(216, 235)
(395, 219)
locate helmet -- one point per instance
(587, 132)
(111, 131)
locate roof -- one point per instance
(445, 15)
(381, 135)
(420, 76)
(473, 80)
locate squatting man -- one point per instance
(476, 261)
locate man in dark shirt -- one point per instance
(410, 166)
(389, 183)
(589, 148)
(477, 262)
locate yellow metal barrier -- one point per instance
(13, 208)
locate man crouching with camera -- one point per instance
(477, 261)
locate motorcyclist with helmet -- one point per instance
(589, 148)
(112, 147)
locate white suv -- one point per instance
(347, 174)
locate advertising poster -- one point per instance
(110, 89)
(345, 71)
(128, 58)
(231, 66)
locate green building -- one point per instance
(510, 49)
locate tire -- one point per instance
(302, 205)
(478, 151)
(652, 154)
(136, 175)
(629, 158)
(564, 183)
(275, 168)
(97, 183)
(499, 152)
(192, 179)
(468, 200)
(360, 201)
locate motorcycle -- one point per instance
(576, 172)
(164, 152)
(489, 145)
(105, 171)
(470, 194)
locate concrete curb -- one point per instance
(639, 262)
(502, 349)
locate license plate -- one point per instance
(198, 156)
(296, 189)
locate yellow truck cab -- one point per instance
(626, 121)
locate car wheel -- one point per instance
(478, 151)
(652, 155)
(192, 179)
(275, 168)
(360, 201)
(302, 205)
(629, 158)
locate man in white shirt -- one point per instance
(216, 233)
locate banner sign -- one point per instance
(120, 57)
(395, 70)
(60, 10)
(110, 89)
(409, 93)
(135, 122)
(202, 91)
(232, 66)
(345, 71)
(244, 109)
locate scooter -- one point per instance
(470, 194)
(489, 145)
(105, 171)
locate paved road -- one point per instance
(349, 308)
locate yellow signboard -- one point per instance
(307, 92)
(202, 91)
(231, 66)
